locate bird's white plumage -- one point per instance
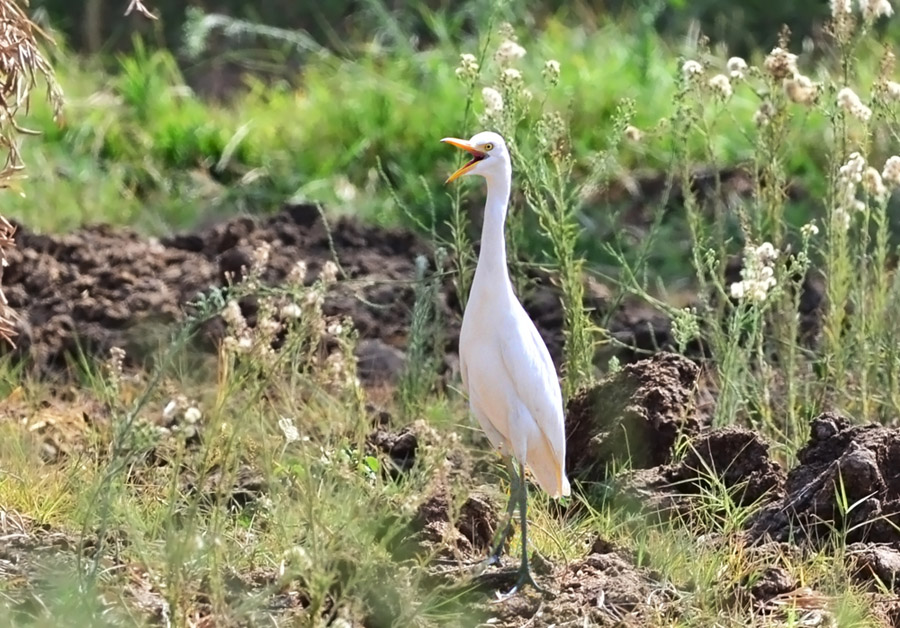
(506, 368)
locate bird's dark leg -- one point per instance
(506, 526)
(525, 577)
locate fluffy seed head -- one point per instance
(891, 173)
(800, 89)
(780, 63)
(736, 67)
(851, 103)
(691, 68)
(721, 86)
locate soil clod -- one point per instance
(878, 564)
(467, 534)
(736, 459)
(633, 416)
(846, 480)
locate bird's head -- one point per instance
(489, 155)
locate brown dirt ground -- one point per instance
(605, 588)
(101, 287)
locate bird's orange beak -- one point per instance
(465, 145)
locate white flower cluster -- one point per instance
(874, 186)
(758, 273)
(508, 53)
(850, 176)
(764, 114)
(468, 67)
(633, 134)
(850, 102)
(737, 68)
(190, 416)
(289, 429)
(691, 68)
(721, 86)
(891, 173)
(511, 78)
(800, 89)
(510, 87)
(841, 7)
(493, 101)
(809, 230)
(780, 63)
(239, 338)
(782, 66)
(551, 72)
(260, 258)
(874, 9)
(296, 276)
(329, 272)
(892, 89)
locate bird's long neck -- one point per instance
(492, 268)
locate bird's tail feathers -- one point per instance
(548, 471)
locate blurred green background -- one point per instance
(230, 107)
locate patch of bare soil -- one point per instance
(876, 563)
(603, 589)
(633, 416)
(101, 287)
(841, 465)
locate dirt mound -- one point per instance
(846, 480)
(92, 289)
(465, 534)
(603, 589)
(726, 459)
(737, 458)
(101, 287)
(634, 415)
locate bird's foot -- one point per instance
(525, 579)
(479, 567)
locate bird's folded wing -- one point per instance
(531, 371)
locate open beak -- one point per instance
(477, 156)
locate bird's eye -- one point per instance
(488, 146)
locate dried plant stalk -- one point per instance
(138, 6)
(21, 62)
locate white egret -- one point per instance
(505, 366)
